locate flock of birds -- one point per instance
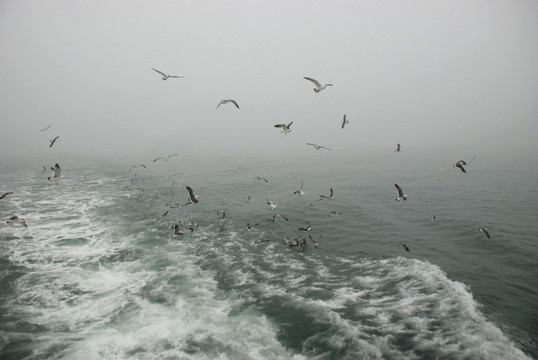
(299, 242)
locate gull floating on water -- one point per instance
(16, 219)
(46, 128)
(222, 102)
(5, 194)
(167, 76)
(484, 230)
(344, 121)
(404, 246)
(318, 87)
(53, 141)
(56, 174)
(334, 213)
(285, 128)
(318, 146)
(401, 195)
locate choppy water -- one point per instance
(94, 277)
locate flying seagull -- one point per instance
(5, 194)
(330, 197)
(485, 232)
(193, 199)
(271, 204)
(459, 165)
(227, 101)
(251, 227)
(404, 246)
(137, 166)
(167, 76)
(261, 178)
(56, 174)
(308, 227)
(16, 219)
(344, 121)
(46, 128)
(318, 146)
(53, 141)
(222, 215)
(165, 158)
(285, 128)
(161, 216)
(401, 195)
(299, 192)
(398, 148)
(314, 240)
(318, 87)
(279, 216)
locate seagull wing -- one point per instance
(280, 125)
(288, 126)
(460, 166)
(176, 76)
(235, 103)
(191, 195)
(344, 121)
(399, 189)
(160, 157)
(314, 81)
(160, 72)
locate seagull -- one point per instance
(56, 175)
(314, 240)
(46, 128)
(459, 165)
(193, 199)
(161, 216)
(165, 159)
(16, 219)
(259, 242)
(299, 192)
(227, 101)
(261, 178)
(137, 166)
(404, 246)
(251, 227)
(330, 197)
(285, 128)
(177, 232)
(279, 216)
(345, 121)
(167, 76)
(222, 215)
(249, 199)
(5, 194)
(334, 213)
(318, 87)
(308, 227)
(318, 146)
(434, 219)
(397, 148)
(401, 195)
(485, 231)
(271, 204)
(53, 141)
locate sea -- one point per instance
(97, 274)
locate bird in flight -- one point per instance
(318, 87)
(227, 101)
(165, 158)
(56, 174)
(485, 232)
(344, 121)
(285, 128)
(167, 76)
(5, 194)
(318, 146)
(401, 195)
(53, 141)
(46, 128)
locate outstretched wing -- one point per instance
(399, 189)
(314, 81)
(191, 195)
(160, 72)
(235, 103)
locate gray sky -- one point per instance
(455, 75)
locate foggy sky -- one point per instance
(460, 76)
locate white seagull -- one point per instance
(227, 101)
(271, 204)
(285, 128)
(165, 158)
(167, 76)
(318, 87)
(193, 199)
(56, 174)
(401, 195)
(459, 165)
(16, 219)
(299, 192)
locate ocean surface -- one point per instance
(98, 275)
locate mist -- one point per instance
(456, 78)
